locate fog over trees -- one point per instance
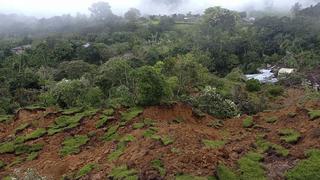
(48, 8)
(160, 89)
(17, 23)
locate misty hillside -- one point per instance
(217, 94)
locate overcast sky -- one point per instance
(57, 7)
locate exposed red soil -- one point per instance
(192, 157)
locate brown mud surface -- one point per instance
(187, 154)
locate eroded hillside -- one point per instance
(159, 142)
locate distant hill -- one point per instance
(312, 11)
(16, 24)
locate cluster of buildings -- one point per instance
(273, 74)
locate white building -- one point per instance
(285, 71)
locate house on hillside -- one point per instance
(190, 19)
(285, 71)
(20, 49)
(86, 45)
(249, 20)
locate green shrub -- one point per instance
(271, 119)
(111, 134)
(253, 85)
(127, 138)
(5, 118)
(7, 178)
(151, 86)
(68, 93)
(32, 156)
(310, 94)
(33, 135)
(85, 170)
(213, 144)
(149, 122)
(280, 150)
(312, 152)
(292, 80)
(72, 145)
(158, 165)
(47, 99)
(21, 128)
(131, 113)
(89, 112)
(189, 177)
(188, 73)
(114, 73)
(73, 111)
(120, 147)
(236, 75)
(7, 147)
(289, 135)
(149, 133)
(64, 123)
(121, 96)
(263, 146)
(307, 169)
(275, 90)
(175, 150)
(211, 102)
(108, 112)
(254, 156)
(123, 173)
(102, 121)
(146, 123)
(224, 173)
(248, 103)
(248, 122)
(7, 103)
(166, 140)
(314, 114)
(251, 168)
(118, 152)
(17, 148)
(74, 69)
(73, 93)
(93, 97)
(2, 164)
(138, 125)
(18, 160)
(27, 149)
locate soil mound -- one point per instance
(158, 142)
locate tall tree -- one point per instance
(101, 11)
(132, 15)
(218, 17)
(296, 8)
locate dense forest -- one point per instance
(110, 61)
(106, 60)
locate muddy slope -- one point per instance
(186, 154)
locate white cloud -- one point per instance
(58, 7)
